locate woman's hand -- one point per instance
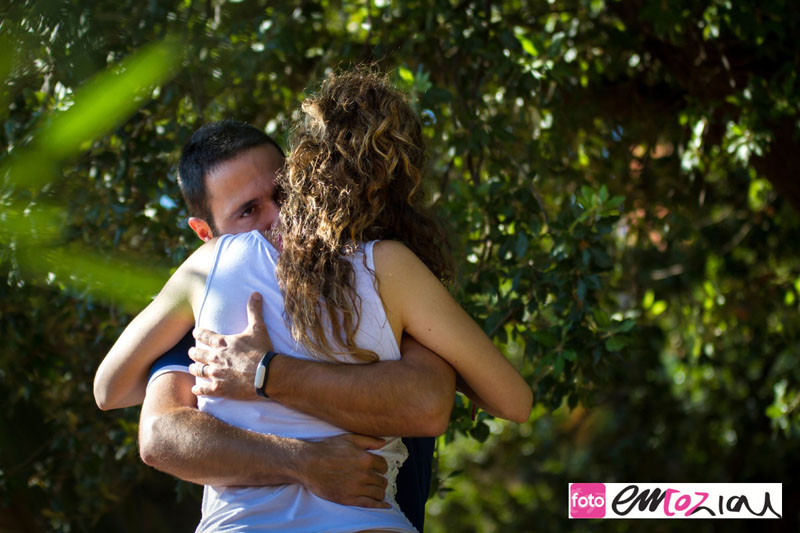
(228, 364)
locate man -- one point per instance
(227, 173)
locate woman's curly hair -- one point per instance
(353, 175)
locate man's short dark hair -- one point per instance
(210, 146)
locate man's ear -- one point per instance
(202, 228)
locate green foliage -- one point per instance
(619, 179)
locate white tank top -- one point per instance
(244, 264)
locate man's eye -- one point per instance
(249, 211)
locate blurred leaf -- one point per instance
(615, 344)
(98, 107)
(527, 45)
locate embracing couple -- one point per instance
(332, 251)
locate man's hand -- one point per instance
(230, 361)
(176, 438)
(341, 469)
(409, 397)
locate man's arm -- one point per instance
(176, 438)
(410, 397)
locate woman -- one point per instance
(359, 265)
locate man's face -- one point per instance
(241, 192)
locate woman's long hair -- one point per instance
(354, 175)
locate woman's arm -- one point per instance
(121, 378)
(417, 300)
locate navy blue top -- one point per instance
(414, 477)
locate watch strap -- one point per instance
(262, 374)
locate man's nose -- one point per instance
(272, 218)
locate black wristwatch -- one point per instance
(262, 373)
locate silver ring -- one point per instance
(203, 371)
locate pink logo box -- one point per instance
(587, 500)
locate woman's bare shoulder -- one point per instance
(392, 255)
(398, 268)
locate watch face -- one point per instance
(261, 372)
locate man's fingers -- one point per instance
(209, 338)
(381, 482)
(378, 464)
(367, 443)
(200, 370)
(199, 355)
(363, 501)
(373, 484)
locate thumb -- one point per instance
(255, 312)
